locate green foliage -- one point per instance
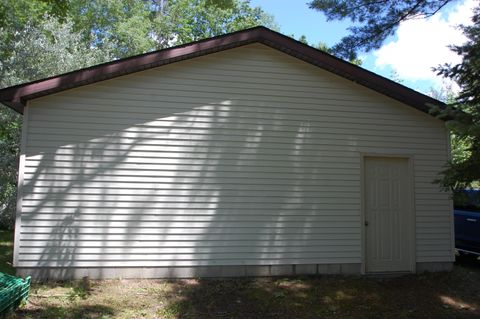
(34, 52)
(10, 123)
(14, 14)
(41, 38)
(464, 112)
(373, 21)
(322, 46)
(128, 27)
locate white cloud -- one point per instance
(423, 43)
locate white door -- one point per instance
(388, 215)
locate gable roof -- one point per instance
(17, 96)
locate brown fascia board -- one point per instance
(16, 96)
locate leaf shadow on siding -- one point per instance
(56, 235)
(230, 182)
(255, 189)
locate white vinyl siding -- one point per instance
(243, 157)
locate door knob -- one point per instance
(366, 223)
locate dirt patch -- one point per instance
(435, 295)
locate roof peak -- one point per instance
(17, 96)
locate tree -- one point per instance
(322, 46)
(14, 14)
(464, 112)
(373, 21)
(35, 52)
(133, 27)
(41, 38)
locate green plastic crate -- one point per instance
(13, 291)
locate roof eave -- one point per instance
(16, 96)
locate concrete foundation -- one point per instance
(45, 274)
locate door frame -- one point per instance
(412, 210)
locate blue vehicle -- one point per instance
(467, 223)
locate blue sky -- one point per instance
(418, 45)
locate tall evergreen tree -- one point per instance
(465, 110)
(374, 21)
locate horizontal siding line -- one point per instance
(166, 150)
(259, 147)
(219, 167)
(132, 254)
(197, 72)
(318, 168)
(252, 120)
(216, 73)
(144, 128)
(222, 144)
(217, 80)
(224, 69)
(205, 255)
(108, 189)
(208, 219)
(127, 244)
(239, 109)
(82, 190)
(224, 196)
(308, 223)
(148, 203)
(47, 188)
(177, 263)
(164, 257)
(174, 139)
(300, 231)
(102, 265)
(208, 66)
(205, 88)
(307, 183)
(205, 182)
(182, 154)
(68, 136)
(276, 211)
(180, 166)
(86, 238)
(295, 160)
(210, 205)
(176, 258)
(202, 97)
(234, 176)
(349, 187)
(128, 248)
(166, 105)
(192, 102)
(306, 247)
(186, 227)
(206, 172)
(122, 262)
(194, 219)
(91, 104)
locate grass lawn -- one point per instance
(435, 295)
